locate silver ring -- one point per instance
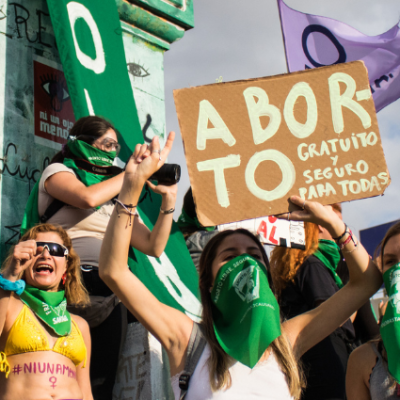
(304, 204)
(159, 152)
(288, 216)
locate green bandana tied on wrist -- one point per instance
(81, 150)
(186, 221)
(390, 326)
(50, 307)
(329, 253)
(245, 312)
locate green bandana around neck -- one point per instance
(186, 221)
(86, 152)
(50, 307)
(390, 326)
(245, 312)
(329, 253)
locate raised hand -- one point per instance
(148, 159)
(311, 211)
(24, 255)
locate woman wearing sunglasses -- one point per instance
(44, 350)
(249, 354)
(76, 192)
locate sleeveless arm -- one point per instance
(308, 329)
(171, 327)
(359, 368)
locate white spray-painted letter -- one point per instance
(207, 112)
(288, 174)
(345, 100)
(167, 273)
(76, 11)
(298, 129)
(218, 165)
(259, 109)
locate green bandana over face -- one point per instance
(245, 312)
(390, 326)
(186, 221)
(329, 253)
(85, 151)
(82, 151)
(50, 307)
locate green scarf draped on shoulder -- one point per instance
(329, 253)
(186, 221)
(81, 151)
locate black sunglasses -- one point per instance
(54, 249)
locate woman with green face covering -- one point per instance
(373, 371)
(249, 354)
(83, 180)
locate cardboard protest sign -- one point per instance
(251, 144)
(273, 231)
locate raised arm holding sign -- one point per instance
(312, 133)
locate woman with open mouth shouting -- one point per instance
(44, 350)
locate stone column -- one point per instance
(30, 136)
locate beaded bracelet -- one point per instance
(348, 240)
(18, 286)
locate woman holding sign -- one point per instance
(373, 371)
(44, 350)
(248, 353)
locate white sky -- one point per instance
(241, 39)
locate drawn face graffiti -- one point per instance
(56, 88)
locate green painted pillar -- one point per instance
(37, 115)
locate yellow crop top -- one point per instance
(26, 335)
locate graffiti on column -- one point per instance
(23, 173)
(131, 375)
(22, 24)
(137, 70)
(53, 111)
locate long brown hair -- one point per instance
(219, 362)
(75, 292)
(392, 231)
(285, 262)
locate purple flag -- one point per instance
(312, 41)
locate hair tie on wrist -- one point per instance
(18, 286)
(336, 239)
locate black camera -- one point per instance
(168, 174)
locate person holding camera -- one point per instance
(76, 191)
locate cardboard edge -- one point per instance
(238, 82)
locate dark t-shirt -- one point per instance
(324, 364)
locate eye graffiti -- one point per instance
(137, 70)
(56, 88)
